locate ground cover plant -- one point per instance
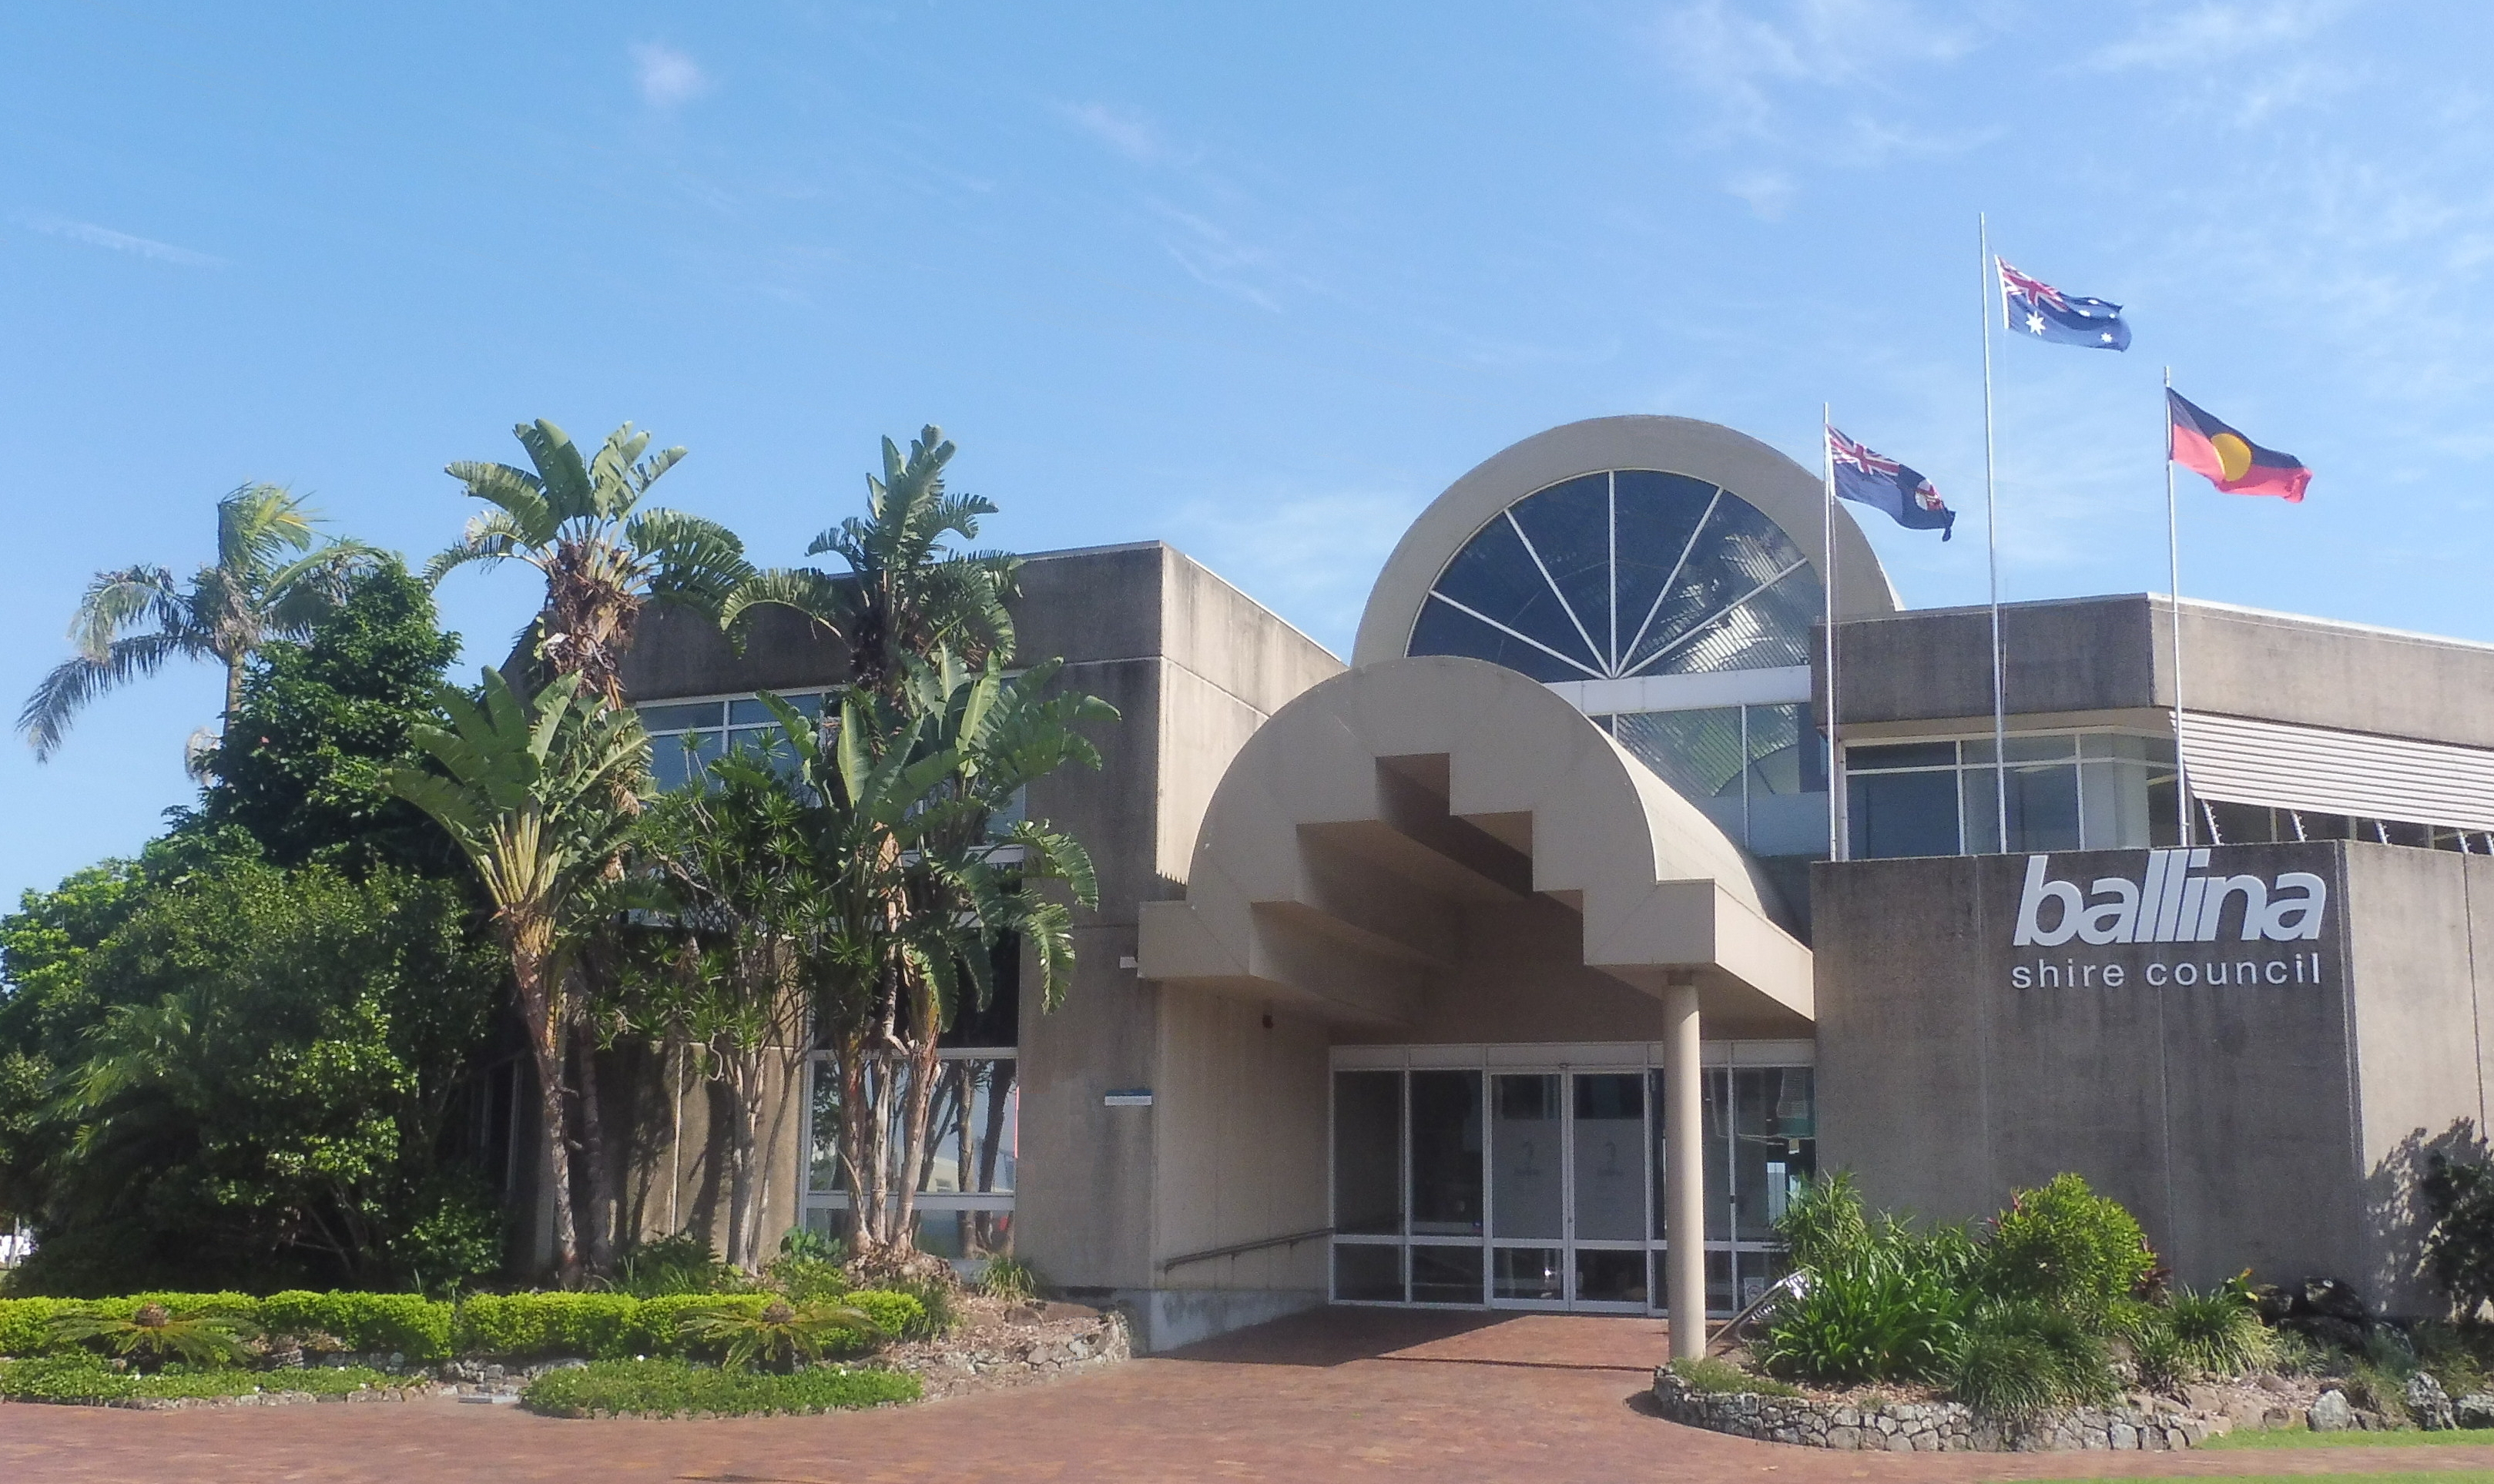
(2305, 1437)
(417, 1330)
(671, 1388)
(2053, 1303)
(87, 1379)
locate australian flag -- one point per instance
(2036, 308)
(1870, 479)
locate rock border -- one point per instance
(1928, 1427)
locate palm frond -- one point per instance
(693, 561)
(533, 517)
(116, 602)
(258, 523)
(569, 493)
(73, 682)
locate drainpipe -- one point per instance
(1683, 1167)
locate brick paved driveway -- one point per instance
(1359, 1395)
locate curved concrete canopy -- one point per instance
(1784, 492)
(1369, 821)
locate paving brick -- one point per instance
(1343, 1394)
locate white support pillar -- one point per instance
(1683, 1164)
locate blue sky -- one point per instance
(1258, 280)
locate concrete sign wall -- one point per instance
(2245, 1044)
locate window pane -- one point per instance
(1569, 527)
(1610, 1156)
(1531, 1273)
(1446, 1156)
(2116, 799)
(1901, 755)
(1368, 1153)
(753, 713)
(1904, 814)
(1446, 1275)
(676, 718)
(1365, 1273)
(1774, 1145)
(1610, 1277)
(965, 1236)
(1719, 1179)
(1715, 618)
(2023, 749)
(2042, 808)
(1495, 577)
(827, 1173)
(1525, 1152)
(675, 761)
(1657, 514)
(970, 1121)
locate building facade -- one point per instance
(1471, 972)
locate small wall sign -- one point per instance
(1127, 1097)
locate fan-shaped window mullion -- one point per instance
(1718, 617)
(1565, 607)
(1663, 593)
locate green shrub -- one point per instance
(898, 1315)
(1721, 1378)
(1824, 1225)
(2063, 1246)
(1892, 1318)
(2018, 1359)
(594, 1326)
(682, 1263)
(807, 1280)
(668, 1388)
(27, 1325)
(408, 1324)
(811, 1246)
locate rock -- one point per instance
(2428, 1403)
(2203, 1398)
(2274, 1383)
(2329, 1413)
(2333, 1298)
(2475, 1409)
(2277, 1417)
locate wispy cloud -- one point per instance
(2204, 34)
(1741, 55)
(666, 76)
(105, 237)
(1219, 258)
(1311, 557)
(1769, 192)
(1123, 130)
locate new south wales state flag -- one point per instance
(2230, 461)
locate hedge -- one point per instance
(518, 1326)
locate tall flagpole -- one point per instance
(1991, 545)
(2173, 581)
(1837, 821)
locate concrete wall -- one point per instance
(2277, 1127)
(2100, 654)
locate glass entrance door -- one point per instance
(1567, 1190)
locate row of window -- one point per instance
(1758, 772)
(2082, 791)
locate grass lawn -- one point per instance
(2303, 1438)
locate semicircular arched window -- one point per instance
(1625, 573)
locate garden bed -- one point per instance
(79, 1382)
(997, 1343)
(1876, 1424)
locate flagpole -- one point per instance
(2173, 583)
(1837, 821)
(1992, 553)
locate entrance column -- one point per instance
(1684, 1166)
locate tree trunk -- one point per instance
(741, 1218)
(531, 963)
(603, 1208)
(925, 1030)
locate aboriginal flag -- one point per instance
(2230, 461)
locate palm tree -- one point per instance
(272, 579)
(905, 593)
(578, 522)
(532, 800)
(915, 890)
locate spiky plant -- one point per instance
(153, 1334)
(778, 1335)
